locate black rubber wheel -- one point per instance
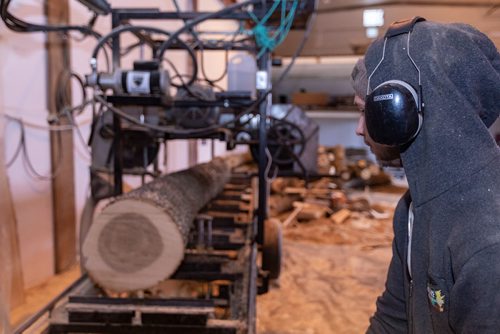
(272, 248)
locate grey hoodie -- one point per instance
(453, 170)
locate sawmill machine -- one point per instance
(231, 249)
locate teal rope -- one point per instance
(271, 11)
(262, 33)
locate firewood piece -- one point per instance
(278, 185)
(359, 204)
(292, 216)
(310, 211)
(338, 199)
(340, 216)
(295, 190)
(139, 239)
(280, 203)
(340, 160)
(305, 191)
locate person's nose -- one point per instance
(360, 129)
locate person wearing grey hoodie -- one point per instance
(444, 276)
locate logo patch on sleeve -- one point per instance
(436, 298)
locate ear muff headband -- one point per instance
(376, 131)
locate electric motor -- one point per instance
(147, 78)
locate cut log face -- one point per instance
(139, 239)
(132, 245)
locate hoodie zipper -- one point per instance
(408, 267)
(410, 316)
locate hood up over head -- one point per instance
(460, 75)
(359, 81)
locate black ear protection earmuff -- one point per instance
(394, 109)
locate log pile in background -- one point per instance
(139, 239)
(328, 196)
(351, 165)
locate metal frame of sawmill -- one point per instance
(222, 251)
(263, 64)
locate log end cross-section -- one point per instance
(132, 246)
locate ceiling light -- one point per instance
(373, 17)
(372, 32)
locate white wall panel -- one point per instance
(23, 82)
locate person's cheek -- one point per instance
(360, 129)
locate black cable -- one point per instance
(224, 73)
(200, 47)
(90, 24)
(28, 165)
(214, 85)
(122, 29)
(183, 84)
(153, 44)
(78, 131)
(189, 25)
(176, 5)
(11, 161)
(131, 47)
(19, 25)
(62, 99)
(250, 109)
(217, 127)
(202, 66)
(298, 51)
(160, 128)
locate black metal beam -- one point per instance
(156, 14)
(134, 329)
(28, 323)
(178, 302)
(263, 65)
(117, 128)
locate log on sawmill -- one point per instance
(139, 239)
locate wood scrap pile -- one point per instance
(351, 165)
(325, 213)
(331, 207)
(292, 199)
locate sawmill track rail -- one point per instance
(221, 256)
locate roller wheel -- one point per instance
(272, 248)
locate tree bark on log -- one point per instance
(139, 239)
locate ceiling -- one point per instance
(338, 28)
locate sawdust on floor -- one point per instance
(331, 277)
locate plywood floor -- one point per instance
(332, 275)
